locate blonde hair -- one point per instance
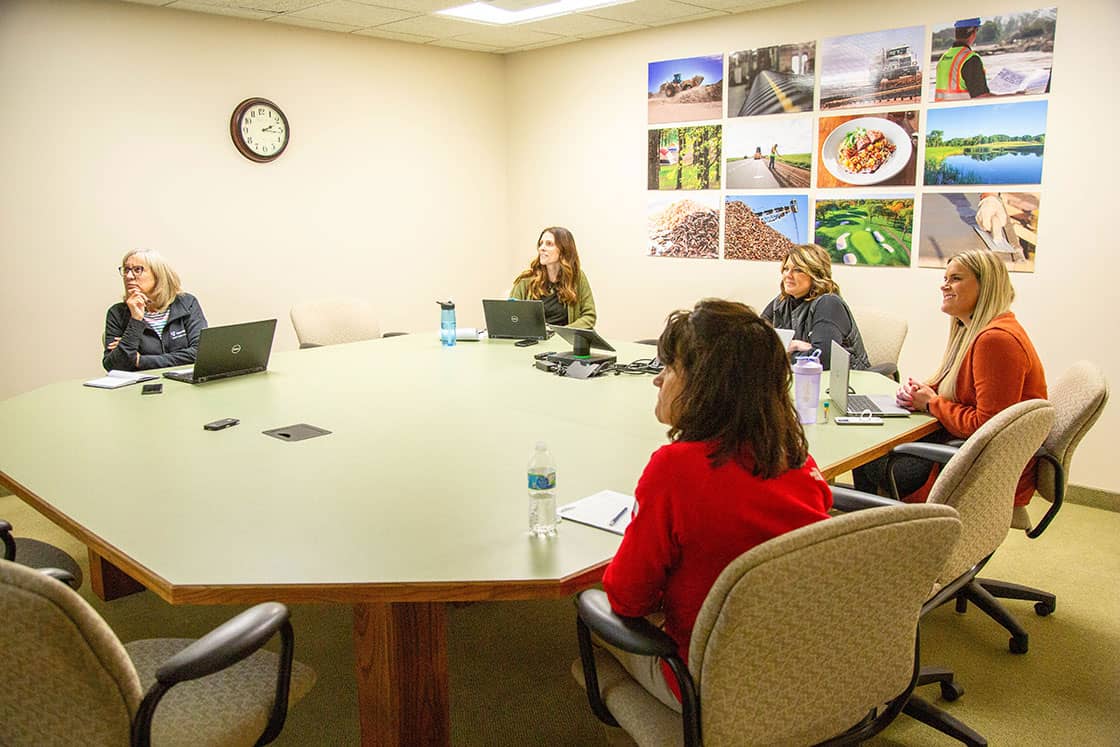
(167, 286)
(995, 297)
(814, 261)
(567, 285)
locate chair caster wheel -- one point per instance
(1042, 609)
(950, 691)
(1018, 644)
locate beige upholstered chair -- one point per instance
(334, 321)
(68, 679)
(1079, 397)
(978, 480)
(35, 553)
(801, 639)
(883, 335)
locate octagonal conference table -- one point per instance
(416, 498)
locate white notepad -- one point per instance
(605, 510)
(115, 379)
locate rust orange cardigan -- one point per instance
(999, 370)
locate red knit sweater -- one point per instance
(692, 520)
(999, 370)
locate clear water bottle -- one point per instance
(447, 323)
(542, 492)
(807, 387)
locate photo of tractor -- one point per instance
(672, 87)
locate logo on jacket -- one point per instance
(515, 319)
(235, 349)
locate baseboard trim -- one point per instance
(1084, 496)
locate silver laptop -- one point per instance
(881, 405)
(513, 319)
(233, 350)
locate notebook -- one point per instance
(606, 509)
(117, 378)
(233, 350)
(513, 319)
(882, 405)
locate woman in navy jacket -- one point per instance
(156, 325)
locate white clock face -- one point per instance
(263, 130)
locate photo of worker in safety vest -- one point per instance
(1008, 55)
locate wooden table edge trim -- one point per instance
(832, 471)
(98, 548)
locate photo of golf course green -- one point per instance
(866, 232)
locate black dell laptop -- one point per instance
(232, 350)
(513, 319)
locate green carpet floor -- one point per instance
(509, 661)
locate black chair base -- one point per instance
(977, 592)
(931, 715)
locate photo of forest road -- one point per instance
(867, 232)
(763, 228)
(1004, 222)
(771, 80)
(685, 90)
(684, 157)
(683, 228)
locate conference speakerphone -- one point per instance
(582, 340)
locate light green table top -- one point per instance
(418, 493)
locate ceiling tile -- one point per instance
(648, 12)
(463, 45)
(352, 14)
(698, 17)
(218, 10)
(290, 20)
(436, 26)
(148, 2)
(418, 7)
(504, 37)
(576, 25)
(272, 6)
(381, 33)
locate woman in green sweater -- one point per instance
(555, 278)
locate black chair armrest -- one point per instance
(8, 540)
(58, 574)
(395, 334)
(939, 453)
(848, 499)
(634, 634)
(639, 636)
(309, 345)
(229, 643)
(1059, 491)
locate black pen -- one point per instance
(617, 516)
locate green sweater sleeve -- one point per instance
(582, 314)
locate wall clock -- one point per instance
(259, 130)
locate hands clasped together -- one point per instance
(914, 395)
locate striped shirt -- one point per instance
(157, 320)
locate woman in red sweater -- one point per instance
(736, 473)
(988, 365)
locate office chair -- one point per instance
(809, 638)
(68, 679)
(883, 335)
(1079, 398)
(34, 553)
(335, 321)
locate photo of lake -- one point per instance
(994, 144)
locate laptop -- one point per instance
(512, 319)
(881, 405)
(232, 350)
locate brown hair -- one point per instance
(735, 392)
(814, 261)
(567, 287)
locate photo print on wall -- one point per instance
(990, 144)
(684, 227)
(684, 157)
(871, 149)
(685, 90)
(876, 231)
(872, 69)
(1004, 55)
(771, 80)
(764, 227)
(770, 153)
(1004, 222)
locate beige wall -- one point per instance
(417, 172)
(577, 122)
(114, 133)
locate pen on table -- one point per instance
(617, 516)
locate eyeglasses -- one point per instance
(791, 270)
(136, 272)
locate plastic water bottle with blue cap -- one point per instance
(542, 492)
(807, 386)
(447, 323)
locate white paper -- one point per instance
(116, 378)
(1007, 81)
(606, 509)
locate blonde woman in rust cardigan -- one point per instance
(988, 365)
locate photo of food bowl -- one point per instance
(866, 150)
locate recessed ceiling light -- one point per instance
(484, 12)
